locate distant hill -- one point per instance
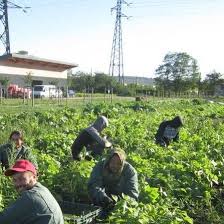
(138, 80)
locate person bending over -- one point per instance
(168, 131)
(91, 139)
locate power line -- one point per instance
(164, 8)
(178, 4)
(56, 3)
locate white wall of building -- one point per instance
(34, 72)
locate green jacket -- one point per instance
(34, 206)
(102, 184)
(8, 155)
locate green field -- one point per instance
(17, 105)
(179, 184)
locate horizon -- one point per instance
(81, 32)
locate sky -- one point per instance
(81, 31)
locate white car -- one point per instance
(47, 91)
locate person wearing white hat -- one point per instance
(91, 139)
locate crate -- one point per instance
(79, 213)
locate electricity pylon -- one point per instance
(116, 60)
(4, 35)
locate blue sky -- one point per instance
(81, 31)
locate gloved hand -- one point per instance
(88, 158)
(163, 144)
(108, 144)
(108, 202)
(77, 158)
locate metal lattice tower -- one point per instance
(4, 35)
(116, 59)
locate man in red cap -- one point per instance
(36, 204)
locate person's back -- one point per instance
(44, 206)
(168, 131)
(91, 139)
(83, 139)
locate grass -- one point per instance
(17, 105)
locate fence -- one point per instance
(27, 102)
(87, 96)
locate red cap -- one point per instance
(21, 166)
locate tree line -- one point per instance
(103, 83)
(178, 73)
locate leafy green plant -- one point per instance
(179, 184)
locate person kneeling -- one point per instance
(112, 176)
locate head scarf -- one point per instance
(100, 123)
(120, 153)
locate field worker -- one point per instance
(14, 150)
(91, 139)
(168, 131)
(35, 204)
(112, 176)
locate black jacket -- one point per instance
(90, 138)
(159, 136)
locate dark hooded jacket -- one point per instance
(90, 138)
(103, 183)
(174, 124)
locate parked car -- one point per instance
(46, 91)
(19, 92)
(71, 93)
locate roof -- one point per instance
(32, 62)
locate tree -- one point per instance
(211, 81)
(103, 81)
(54, 82)
(4, 83)
(213, 77)
(81, 81)
(179, 72)
(69, 78)
(28, 79)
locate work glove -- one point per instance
(77, 158)
(108, 202)
(108, 144)
(163, 144)
(88, 158)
